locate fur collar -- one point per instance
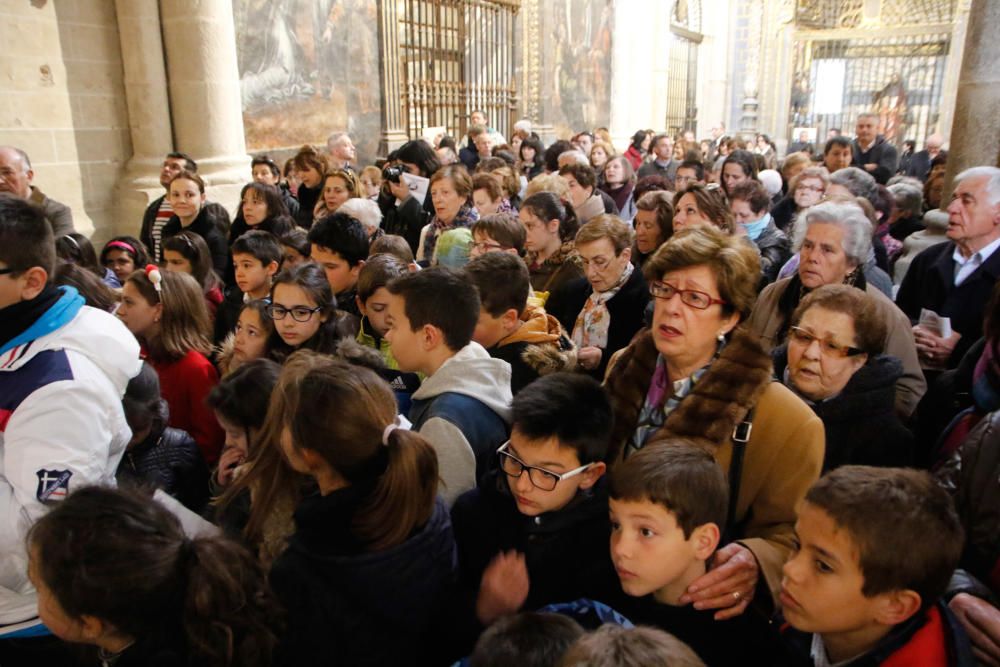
(717, 403)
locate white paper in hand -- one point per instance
(937, 325)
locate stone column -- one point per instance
(204, 83)
(145, 81)
(393, 128)
(975, 134)
(751, 80)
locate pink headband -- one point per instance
(123, 246)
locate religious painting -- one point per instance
(308, 68)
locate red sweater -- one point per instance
(184, 385)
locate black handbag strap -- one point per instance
(741, 437)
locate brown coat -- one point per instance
(766, 321)
(783, 456)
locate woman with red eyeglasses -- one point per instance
(696, 373)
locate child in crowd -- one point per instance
(462, 407)
(114, 570)
(249, 340)
(167, 314)
(77, 249)
(531, 341)
(617, 646)
(501, 232)
(186, 252)
(187, 197)
(256, 257)
(530, 639)
(305, 313)
(371, 182)
(373, 303)
(367, 571)
(160, 456)
(240, 403)
(340, 246)
(295, 248)
(544, 502)
(668, 503)
(392, 244)
(123, 255)
(876, 548)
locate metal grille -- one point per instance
(457, 56)
(900, 78)
(682, 80)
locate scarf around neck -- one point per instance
(464, 218)
(594, 320)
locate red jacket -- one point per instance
(184, 385)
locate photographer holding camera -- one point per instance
(402, 213)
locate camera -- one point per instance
(394, 173)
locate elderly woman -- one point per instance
(619, 184)
(583, 192)
(805, 189)
(654, 224)
(698, 374)
(833, 360)
(451, 193)
(488, 197)
(604, 309)
(749, 203)
(833, 239)
(700, 205)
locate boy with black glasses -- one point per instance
(536, 530)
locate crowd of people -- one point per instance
(495, 402)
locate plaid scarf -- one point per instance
(464, 218)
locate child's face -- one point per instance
(290, 298)
(140, 316)
(649, 549)
(251, 336)
(376, 309)
(291, 257)
(50, 611)
(482, 244)
(550, 455)
(236, 435)
(821, 589)
(174, 261)
(251, 274)
(121, 263)
(406, 345)
(489, 330)
(341, 275)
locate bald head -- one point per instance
(15, 172)
(934, 144)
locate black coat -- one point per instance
(626, 309)
(860, 423)
(930, 283)
(149, 218)
(775, 249)
(209, 225)
(566, 552)
(881, 153)
(407, 219)
(170, 461)
(351, 606)
(307, 203)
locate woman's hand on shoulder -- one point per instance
(728, 585)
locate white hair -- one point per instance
(364, 211)
(577, 156)
(848, 216)
(771, 180)
(992, 176)
(523, 124)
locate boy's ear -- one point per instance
(431, 337)
(510, 319)
(705, 540)
(356, 269)
(271, 269)
(590, 476)
(93, 628)
(895, 607)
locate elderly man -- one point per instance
(16, 178)
(920, 163)
(956, 279)
(341, 149)
(872, 152)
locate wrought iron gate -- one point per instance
(457, 56)
(893, 65)
(682, 82)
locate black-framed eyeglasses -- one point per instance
(542, 479)
(485, 246)
(826, 347)
(689, 297)
(298, 313)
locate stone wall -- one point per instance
(62, 101)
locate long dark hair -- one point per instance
(746, 161)
(77, 249)
(278, 219)
(340, 411)
(193, 248)
(144, 407)
(128, 244)
(547, 206)
(123, 558)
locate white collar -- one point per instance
(983, 253)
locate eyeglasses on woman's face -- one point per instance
(689, 297)
(542, 479)
(298, 313)
(827, 347)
